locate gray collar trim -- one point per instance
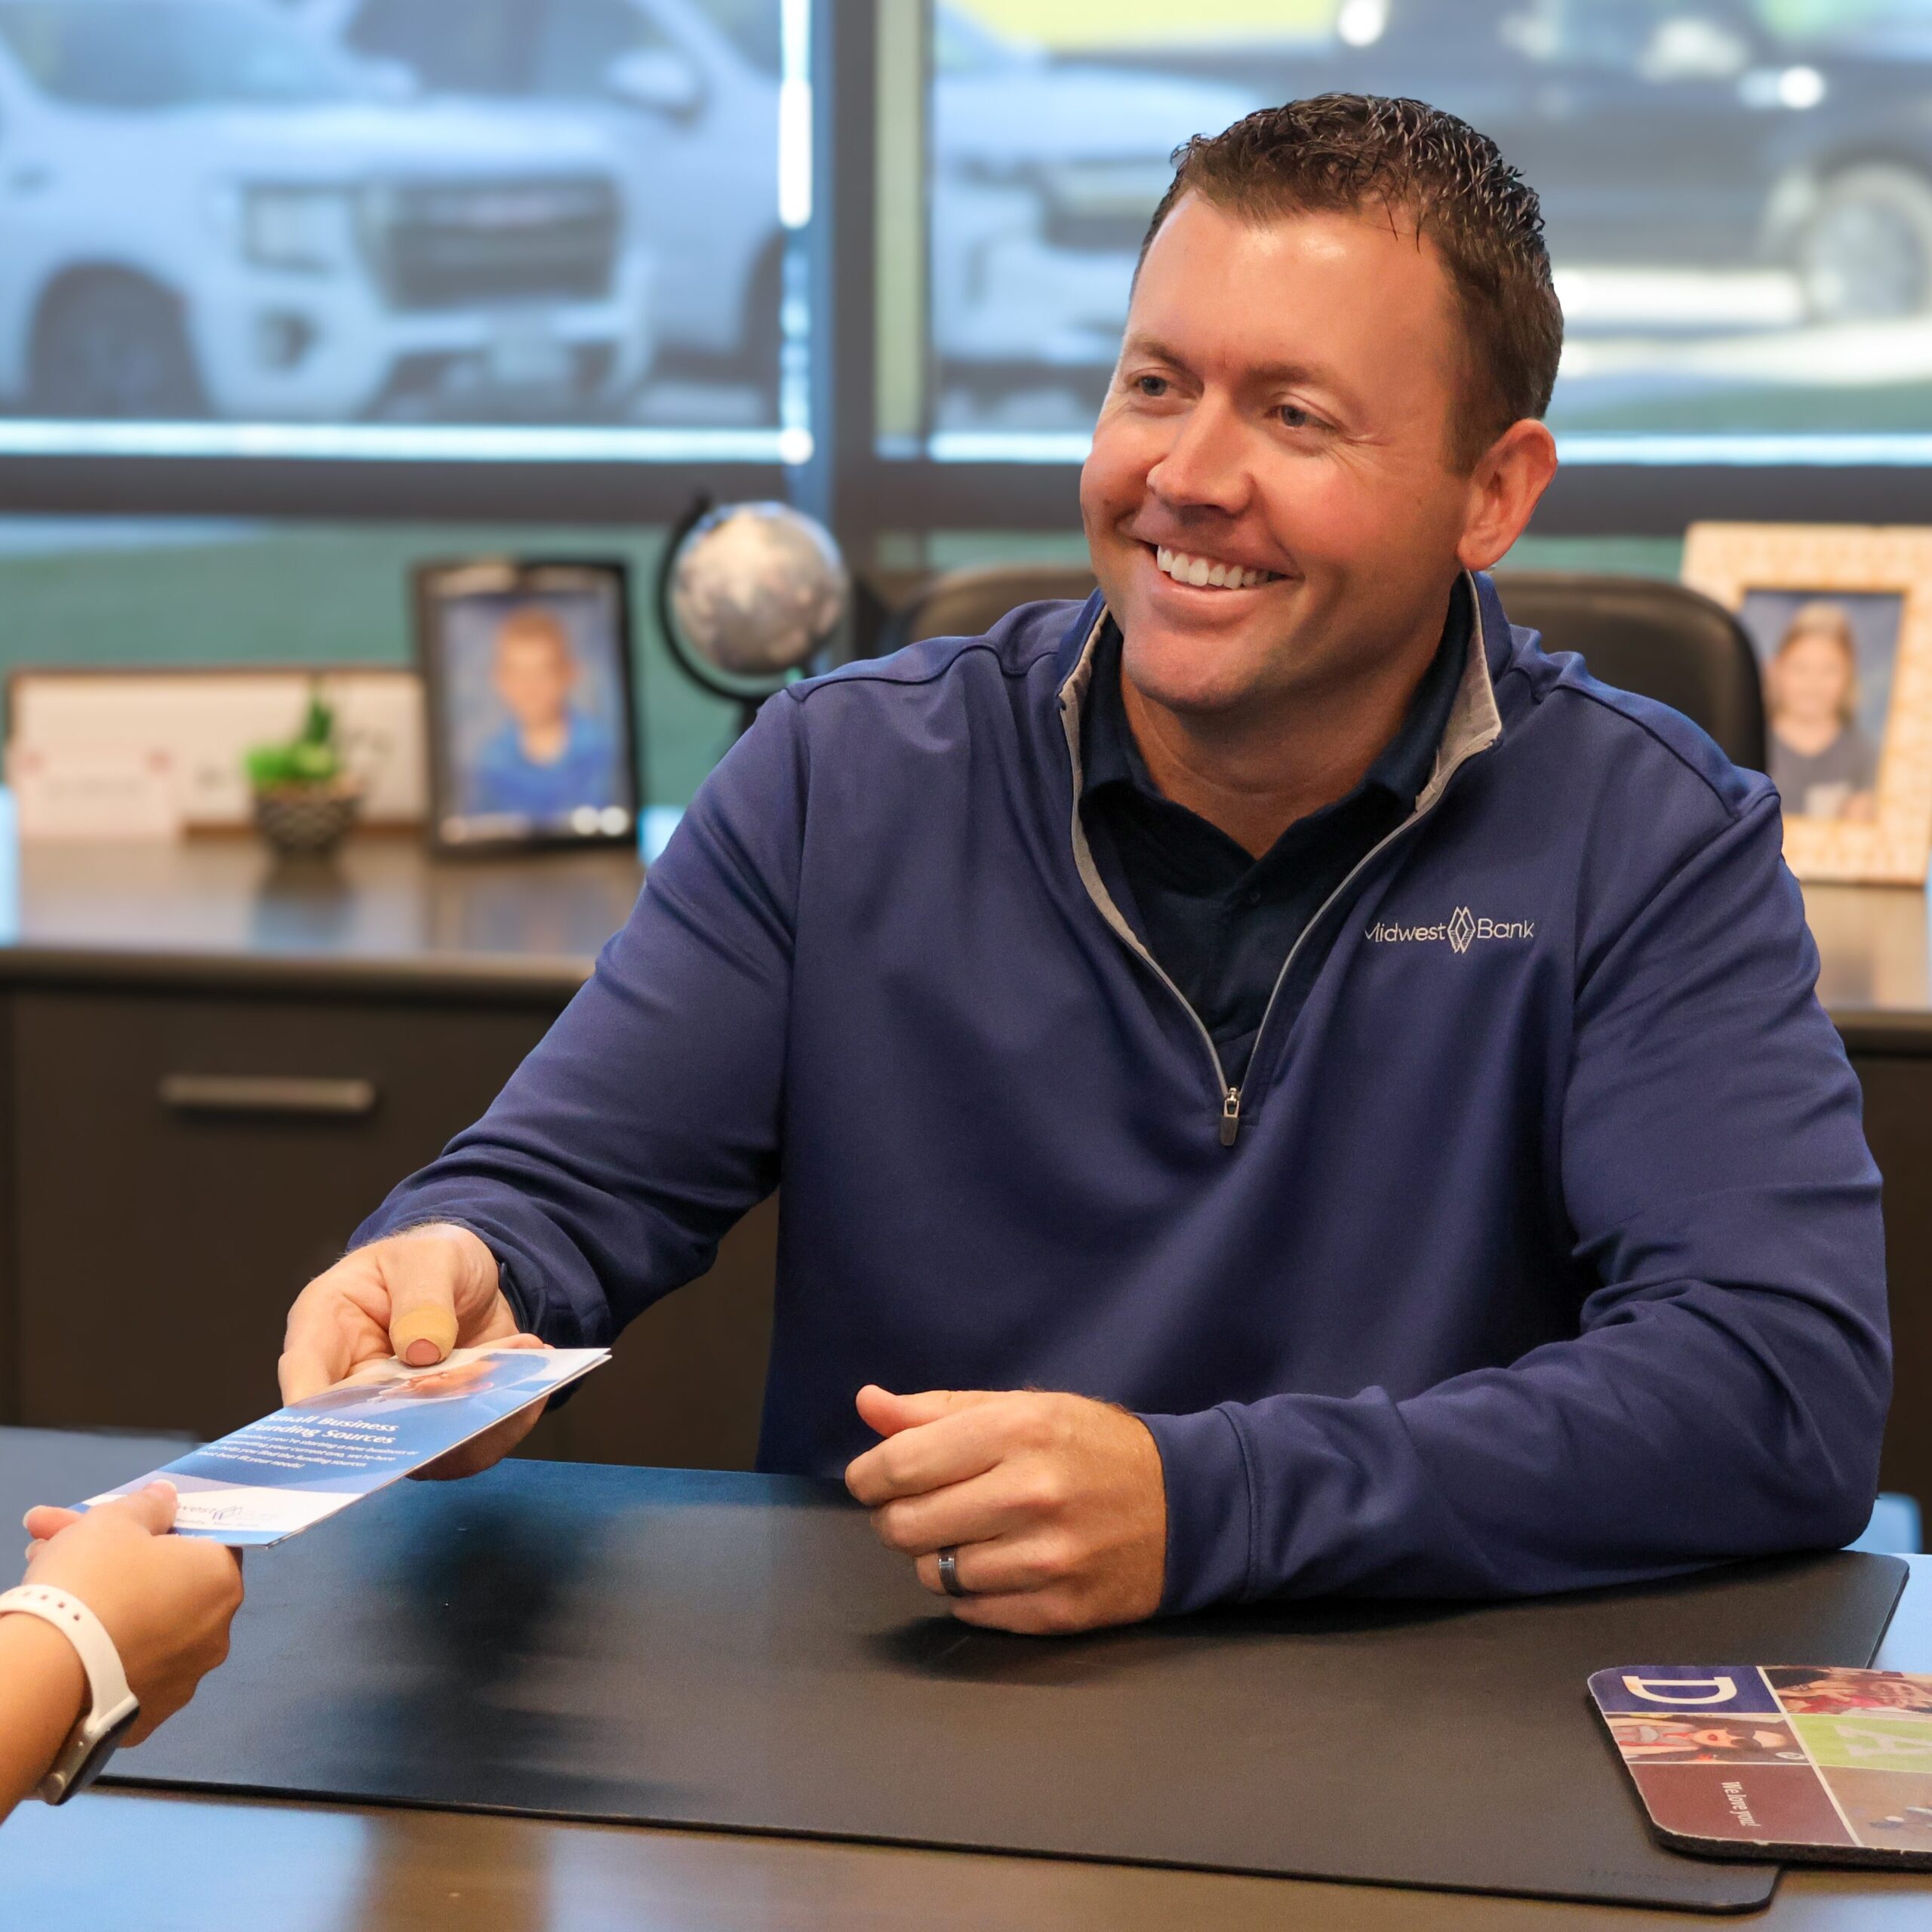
(1475, 723)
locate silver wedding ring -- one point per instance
(948, 1572)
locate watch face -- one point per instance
(96, 1762)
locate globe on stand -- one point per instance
(747, 594)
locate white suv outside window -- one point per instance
(205, 210)
(1044, 171)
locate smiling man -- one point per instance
(1279, 1085)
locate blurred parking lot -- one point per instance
(587, 212)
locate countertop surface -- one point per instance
(383, 909)
(221, 908)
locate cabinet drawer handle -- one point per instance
(266, 1093)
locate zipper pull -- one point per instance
(1231, 1117)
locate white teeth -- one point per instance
(1205, 573)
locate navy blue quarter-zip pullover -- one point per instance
(1538, 1247)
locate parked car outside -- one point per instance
(203, 211)
(1043, 172)
(686, 95)
(1690, 134)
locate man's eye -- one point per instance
(1295, 417)
(1150, 385)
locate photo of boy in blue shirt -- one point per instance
(550, 758)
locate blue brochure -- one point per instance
(277, 1477)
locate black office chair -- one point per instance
(967, 603)
(1653, 637)
(1641, 633)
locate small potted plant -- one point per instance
(305, 798)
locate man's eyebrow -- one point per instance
(1260, 373)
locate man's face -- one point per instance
(532, 675)
(1283, 404)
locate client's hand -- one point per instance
(167, 1602)
(343, 1319)
(1056, 1503)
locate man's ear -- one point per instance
(1504, 487)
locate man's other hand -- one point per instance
(343, 1319)
(1055, 1503)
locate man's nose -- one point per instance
(1206, 465)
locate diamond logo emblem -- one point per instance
(1462, 929)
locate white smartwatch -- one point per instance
(112, 1708)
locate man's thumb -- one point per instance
(886, 1413)
(423, 1326)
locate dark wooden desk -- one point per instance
(118, 1862)
(120, 965)
(1873, 975)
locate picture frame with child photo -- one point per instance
(526, 667)
(1840, 618)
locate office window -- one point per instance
(398, 228)
(1739, 195)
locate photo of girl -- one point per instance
(1823, 762)
(1839, 618)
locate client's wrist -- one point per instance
(49, 1691)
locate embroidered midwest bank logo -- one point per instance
(1462, 929)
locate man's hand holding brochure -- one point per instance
(277, 1477)
(378, 1299)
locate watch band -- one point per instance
(111, 1706)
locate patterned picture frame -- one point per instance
(1734, 562)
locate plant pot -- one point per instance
(306, 820)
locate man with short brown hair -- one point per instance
(1295, 1089)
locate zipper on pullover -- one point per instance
(1096, 890)
(1230, 1120)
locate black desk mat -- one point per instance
(687, 1648)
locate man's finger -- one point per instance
(974, 1512)
(1001, 1566)
(305, 1372)
(1048, 1613)
(952, 1449)
(330, 1330)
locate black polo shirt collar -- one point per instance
(1110, 757)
